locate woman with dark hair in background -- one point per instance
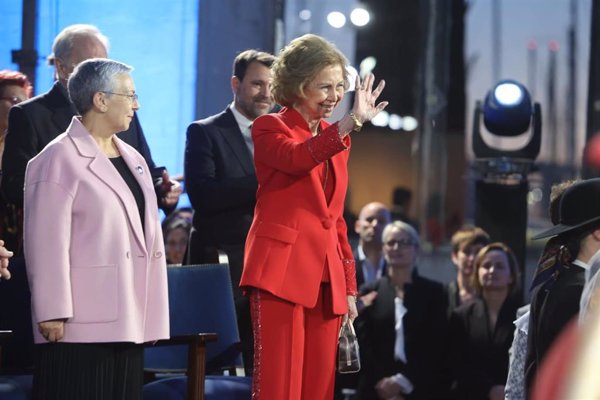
(176, 232)
(14, 89)
(481, 332)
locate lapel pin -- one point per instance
(140, 170)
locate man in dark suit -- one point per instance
(368, 254)
(32, 125)
(556, 301)
(221, 180)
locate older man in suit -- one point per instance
(32, 125)
(368, 254)
(220, 177)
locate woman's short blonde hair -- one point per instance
(299, 62)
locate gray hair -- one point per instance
(93, 76)
(63, 42)
(402, 227)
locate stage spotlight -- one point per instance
(508, 114)
(504, 154)
(336, 19)
(360, 17)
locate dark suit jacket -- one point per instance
(35, 123)
(360, 277)
(453, 296)
(479, 356)
(553, 305)
(221, 182)
(425, 331)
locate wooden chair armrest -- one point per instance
(196, 370)
(185, 339)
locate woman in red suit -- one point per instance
(298, 269)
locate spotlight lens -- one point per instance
(360, 17)
(336, 19)
(508, 94)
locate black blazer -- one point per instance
(479, 357)
(425, 332)
(35, 123)
(221, 182)
(553, 305)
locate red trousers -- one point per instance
(294, 347)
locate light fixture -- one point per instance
(382, 119)
(395, 122)
(507, 113)
(367, 65)
(409, 123)
(360, 16)
(305, 14)
(336, 19)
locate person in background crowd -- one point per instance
(466, 243)
(372, 219)
(402, 332)
(14, 89)
(299, 270)
(481, 331)
(370, 265)
(562, 271)
(221, 180)
(547, 266)
(176, 231)
(90, 203)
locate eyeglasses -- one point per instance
(400, 243)
(14, 100)
(132, 97)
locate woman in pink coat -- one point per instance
(94, 247)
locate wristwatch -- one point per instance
(357, 124)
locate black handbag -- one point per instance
(348, 357)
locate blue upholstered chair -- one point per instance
(200, 300)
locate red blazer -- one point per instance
(295, 234)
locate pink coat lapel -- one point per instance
(101, 166)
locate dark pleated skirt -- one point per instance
(91, 371)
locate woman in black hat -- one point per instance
(555, 302)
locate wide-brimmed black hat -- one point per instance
(579, 206)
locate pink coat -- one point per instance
(88, 259)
